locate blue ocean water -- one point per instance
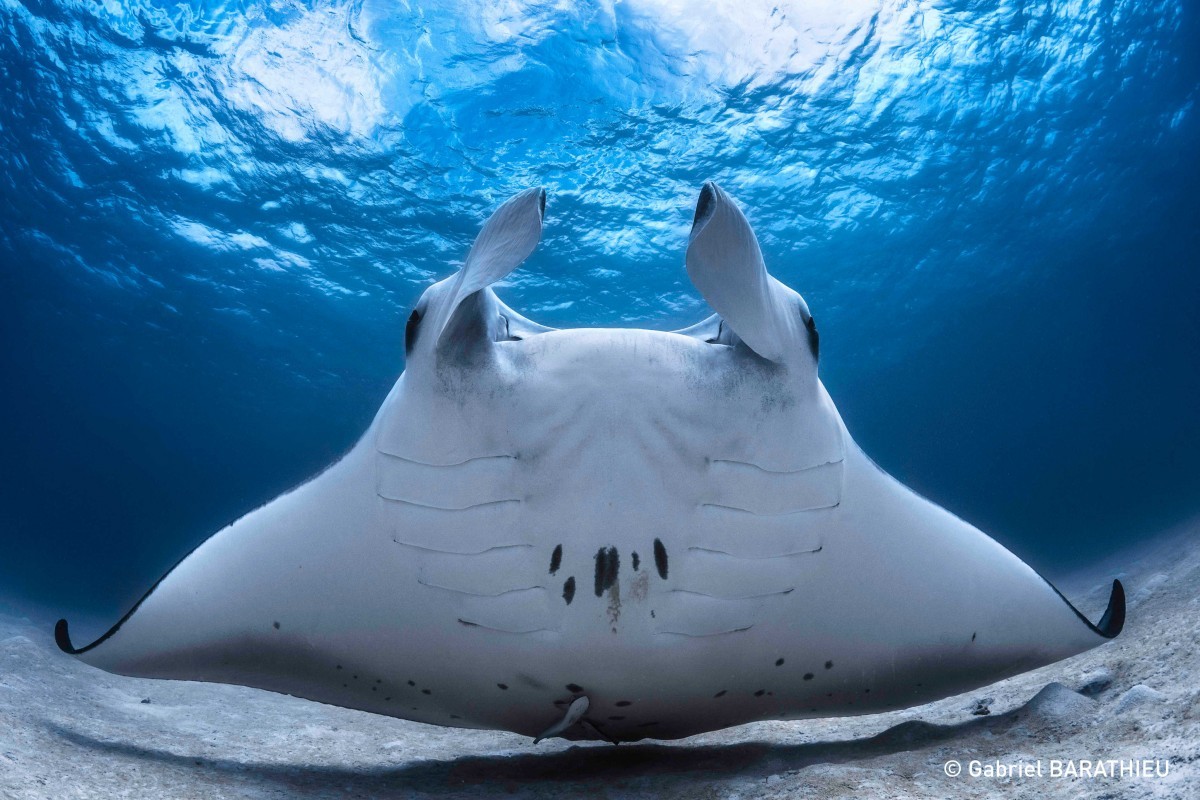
(214, 216)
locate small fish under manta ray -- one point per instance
(603, 534)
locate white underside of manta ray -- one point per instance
(603, 534)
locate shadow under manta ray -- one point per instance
(603, 534)
(575, 767)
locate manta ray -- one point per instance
(607, 534)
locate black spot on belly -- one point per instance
(760, 692)
(426, 691)
(503, 686)
(828, 665)
(779, 662)
(275, 625)
(574, 688)
(808, 676)
(339, 666)
(556, 559)
(608, 564)
(636, 561)
(660, 558)
(623, 703)
(972, 635)
(412, 683)
(719, 694)
(569, 590)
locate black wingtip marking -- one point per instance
(63, 639)
(1113, 621)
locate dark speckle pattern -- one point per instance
(828, 665)
(660, 558)
(719, 694)
(779, 662)
(760, 692)
(275, 625)
(569, 590)
(808, 676)
(556, 559)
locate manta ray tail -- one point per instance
(573, 715)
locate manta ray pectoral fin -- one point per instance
(507, 239)
(575, 712)
(726, 265)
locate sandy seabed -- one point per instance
(68, 730)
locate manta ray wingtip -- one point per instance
(1113, 620)
(63, 639)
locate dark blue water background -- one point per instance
(213, 217)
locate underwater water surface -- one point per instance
(214, 216)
